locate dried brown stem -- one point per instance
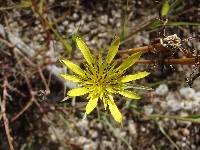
(22, 110)
(44, 80)
(181, 61)
(5, 119)
(144, 49)
(30, 89)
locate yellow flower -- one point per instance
(102, 79)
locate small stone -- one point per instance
(174, 105)
(132, 128)
(103, 19)
(83, 125)
(80, 140)
(183, 144)
(188, 105)
(148, 109)
(187, 92)
(2, 31)
(170, 96)
(143, 129)
(117, 132)
(90, 146)
(162, 90)
(196, 97)
(185, 131)
(106, 144)
(123, 134)
(99, 126)
(93, 133)
(75, 16)
(65, 23)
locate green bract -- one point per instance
(102, 79)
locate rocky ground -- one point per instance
(30, 52)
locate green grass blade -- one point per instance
(167, 136)
(156, 23)
(66, 45)
(165, 8)
(183, 23)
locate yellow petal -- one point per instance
(105, 103)
(113, 50)
(136, 76)
(78, 92)
(74, 67)
(115, 111)
(129, 94)
(84, 50)
(110, 89)
(129, 62)
(91, 105)
(70, 77)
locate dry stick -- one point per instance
(144, 49)
(181, 61)
(5, 119)
(158, 47)
(44, 80)
(32, 93)
(22, 111)
(29, 87)
(7, 8)
(141, 28)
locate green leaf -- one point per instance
(70, 77)
(138, 87)
(113, 50)
(129, 94)
(91, 105)
(165, 8)
(183, 23)
(195, 116)
(84, 50)
(115, 111)
(41, 6)
(132, 77)
(75, 68)
(129, 62)
(156, 23)
(73, 39)
(24, 4)
(66, 45)
(78, 92)
(167, 136)
(175, 4)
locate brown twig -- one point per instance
(22, 110)
(44, 80)
(144, 49)
(179, 61)
(5, 119)
(29, 87)
(7, 8)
